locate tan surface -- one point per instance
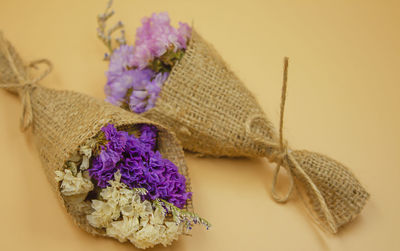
(343, 77)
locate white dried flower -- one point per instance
(117, 193)
(172, 233)
(157, 217)
(86, 152)
(148, 236)
(153, 234)
(140, 224)
(103, 215)
(73, 185)
(124, 228)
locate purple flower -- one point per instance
(103, 168)
(144, 94)
(119, 61)
(130, 81)
(148, 135)
(116, 139)
(117, 87)
(140, 165)
(139, 96)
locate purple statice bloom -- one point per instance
(116, 139)
(103, 167)
(168, 183)
(155, 37)
(148, 135)
(145, 94)
(117, 87)
(142, 78)
(128, 64)
(119, 61)
(138, 99)
(140, 165)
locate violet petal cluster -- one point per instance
(120, 60)
(144, 85)
(117, 87)
(140, 165)
(129, 79)
(146, 92)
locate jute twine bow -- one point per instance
(283, 157)
(25, 85)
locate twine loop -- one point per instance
(25, 85)
(280, 157)
(278, 150)
(280, 153)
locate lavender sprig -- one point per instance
(180, 215)
(106, 35)
(139, 190)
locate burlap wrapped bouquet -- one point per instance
(174, 77)
(213, 113)
(61, 121)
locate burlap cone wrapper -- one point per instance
(213, 113)
(64, 120)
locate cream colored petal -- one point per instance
(72, 185)
(146, 237)
(158, 217)
(59, 175)
(86, 151)
(73, 167)
(123, 229)
(85, 163)
(103, 215)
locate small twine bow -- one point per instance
(283, 157)
(25, 84)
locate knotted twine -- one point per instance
(61, 121)
(282, 156)
(213, 113)
(25, 86)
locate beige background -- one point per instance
(343, 100)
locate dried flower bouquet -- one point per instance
(117, 174)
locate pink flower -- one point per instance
(142, 56)
(156, 36)
(184, 33)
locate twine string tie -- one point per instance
(280, 153)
